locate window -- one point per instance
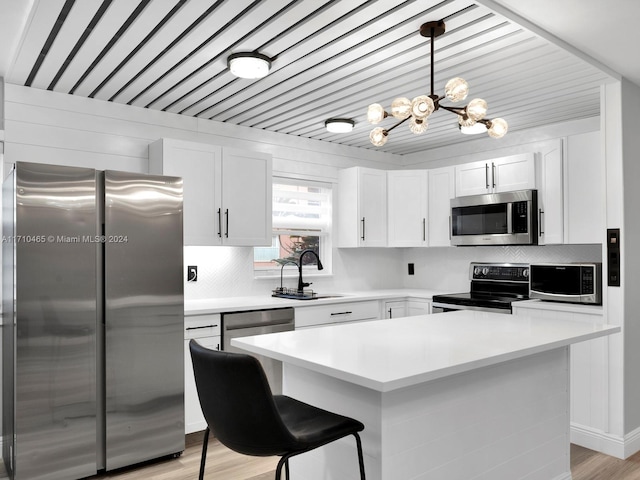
(301, 220)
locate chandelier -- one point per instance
(418, 110)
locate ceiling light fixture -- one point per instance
(474, 129)
(339, 125)
(419, 109)
(249, 64)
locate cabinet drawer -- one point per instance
(198, 326)
(336, 313)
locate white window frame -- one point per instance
(323, 229)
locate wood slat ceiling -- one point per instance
(330, 59)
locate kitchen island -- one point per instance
(461, 395)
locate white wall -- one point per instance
(54, 128)
(47, 127)
(631, 279)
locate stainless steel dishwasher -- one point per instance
(258, 322)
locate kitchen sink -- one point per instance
(306, 295)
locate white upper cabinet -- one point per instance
(227, 192)
(515, 172)
(246, 198)
(441, 190)
(362, 207)
(584, 187)
(551, 195)
(407, 208)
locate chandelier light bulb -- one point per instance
(471, 118)
(421, 107)
(465, 121)
(456, 89)
(379, 136)
(401, 108)
(476, 109)
(375, 113)
(418, 126)
(498, 128)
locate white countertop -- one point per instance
(385, 355)
(538, 304)
(261, 302)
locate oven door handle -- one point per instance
(449, 306)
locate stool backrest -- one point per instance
(237, 402)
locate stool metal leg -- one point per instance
(360, 455)
(203, 459)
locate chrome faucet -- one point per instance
(302, 284)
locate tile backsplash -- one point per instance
(228, 271)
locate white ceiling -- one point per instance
(536, 63)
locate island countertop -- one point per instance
(386, 355)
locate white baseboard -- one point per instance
(564, 476)
(607, 443)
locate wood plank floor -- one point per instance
(223, 464)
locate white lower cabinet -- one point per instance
(205, 329)
(407, 307)
(589, 371)
(316, 316)
(418, 306)
(395, 309)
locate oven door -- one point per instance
(438, 307)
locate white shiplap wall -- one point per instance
(48, 127)
(55, 128)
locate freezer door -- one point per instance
(144, 317)
(55, 330)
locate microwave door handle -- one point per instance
(509, 217)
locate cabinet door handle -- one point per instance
(450, 227)
(493, 174)
(226, 221)
(486, 175)
(540, 222)
(220, 223)
(390, 314)
(362, 229)
(341, 313)
(424, 229)
(200, 328)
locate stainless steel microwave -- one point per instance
(566, 282)
(508, 218)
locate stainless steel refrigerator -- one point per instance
(93, 374)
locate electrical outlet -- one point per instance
(192, 273)
(411, 269)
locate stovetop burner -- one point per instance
(493, 286)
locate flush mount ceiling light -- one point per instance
(249, 64)
(339, 125)
(417, 111)
(474, 129)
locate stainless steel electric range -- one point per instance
(494, 287)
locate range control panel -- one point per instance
(501, 272)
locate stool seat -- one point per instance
(246, 417)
